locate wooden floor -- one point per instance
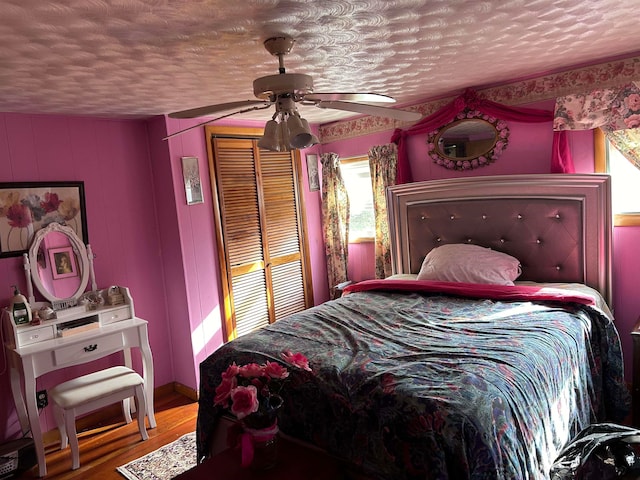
(107, 447)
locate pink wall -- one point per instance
(196, 299)
(313, 205)
(626, 278)
(174, 295)
(112, 158)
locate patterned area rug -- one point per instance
(164, 463)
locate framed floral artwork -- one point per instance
(27, 207)
(192, 185)
(64, 262)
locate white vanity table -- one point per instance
(79, 334)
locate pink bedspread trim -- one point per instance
(475, 290)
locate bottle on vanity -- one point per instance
(20, 309)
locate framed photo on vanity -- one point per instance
(27, 207)
(63, 262)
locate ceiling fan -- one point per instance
(287, 129)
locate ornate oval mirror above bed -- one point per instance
(472, 140)
(59, 265)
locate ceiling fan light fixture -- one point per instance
(285, 144)
(300, 135)
(271, 140)
(313, 140)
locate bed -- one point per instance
(450, 379)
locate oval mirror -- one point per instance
(469, 142)
(59, 265)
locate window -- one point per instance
(625, 179)
(357, 180)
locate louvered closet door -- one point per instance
(282, 233)
(259, 221)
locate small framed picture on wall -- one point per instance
(192, 184)
(312, 172)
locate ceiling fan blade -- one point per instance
(373, 110)
(220, 107)
(348, 97)
(256, 107)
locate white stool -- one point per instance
(93, 391)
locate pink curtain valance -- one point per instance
(561, 161)
(615, 110)
(608, 108)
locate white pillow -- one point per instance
(403, 276)
(469, 264)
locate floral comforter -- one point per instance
(430, 385)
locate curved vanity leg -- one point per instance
(34, 420)
(18, 398)
(147, 373)
(128, 405)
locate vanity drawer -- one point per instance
(92, 347)
(115, 315)
(34, 335)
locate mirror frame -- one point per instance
(83, 259)
(471, 162)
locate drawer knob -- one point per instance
(91, 348)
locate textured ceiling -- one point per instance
(133, 58)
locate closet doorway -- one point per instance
(260, 228)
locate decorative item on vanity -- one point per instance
(20, 309)
(472, 140)
(252, 394)
(114, 296)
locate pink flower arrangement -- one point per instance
(252, 390)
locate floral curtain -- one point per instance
(627, 142)
(561, 161)
(335, 221)
(383, 162)
(615, 110)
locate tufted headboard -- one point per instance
(558, 225)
